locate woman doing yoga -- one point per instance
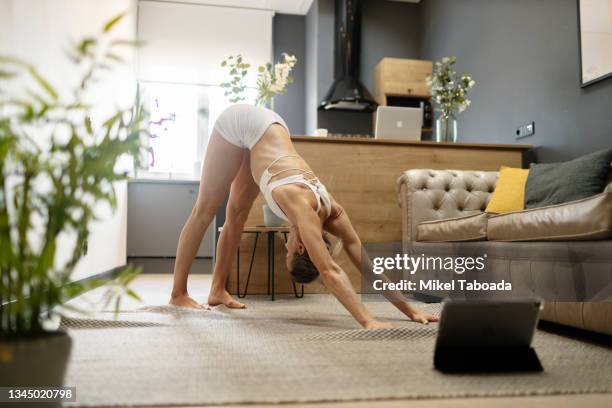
(251, 143)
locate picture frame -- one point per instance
(594, 40)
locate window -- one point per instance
(179, 74)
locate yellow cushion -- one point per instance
(509, 194)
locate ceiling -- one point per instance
(279, 6)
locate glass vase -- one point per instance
(446, 129)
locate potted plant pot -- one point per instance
(38, 361)
(271, 219)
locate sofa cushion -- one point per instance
(586, 219)
(557, 183)
(509, 194)
(469, 228)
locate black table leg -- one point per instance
(269, 270)
(246, 287)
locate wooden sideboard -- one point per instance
(361, 174)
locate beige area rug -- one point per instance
(294, 350)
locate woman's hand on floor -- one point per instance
(423, 317)
(414, 314)
(375, 324)
(186, 301)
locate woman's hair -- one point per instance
(303, 270)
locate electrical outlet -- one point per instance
(525, 130)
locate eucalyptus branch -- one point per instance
(235, 87)
(272, 80)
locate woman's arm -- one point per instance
(334, 278)
(341, 227)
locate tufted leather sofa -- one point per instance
(427, 195)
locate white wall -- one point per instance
(39, 31)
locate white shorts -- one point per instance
(243, 125)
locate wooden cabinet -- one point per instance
(401, 77)
(157, 211)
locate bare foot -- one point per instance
(185, 301)
(224, 298)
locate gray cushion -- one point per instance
(557, 183)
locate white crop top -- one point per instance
(266, 186)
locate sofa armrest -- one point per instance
(427, 195)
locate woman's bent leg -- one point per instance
(221, 165)
(242, 194)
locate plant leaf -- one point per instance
(114, 57)
(43, 83)
(117, 305)
(88, 125)
(133, 43)
(83, 47)
(111, 23)
(7, 74)
(133, 295)
(5, 59)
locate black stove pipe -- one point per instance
(347, 92)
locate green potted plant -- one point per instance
(449, 91)
(55, 166)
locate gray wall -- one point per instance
(524, 56)
(289, 36)
(311, 97)
(522, 53)
(389, 29)
(325, 50)
(320, 54)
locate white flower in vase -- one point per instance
(272, 80)
(449, 92)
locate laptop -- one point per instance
(487, 335)
(399, 123)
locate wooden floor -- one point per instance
(155, 289)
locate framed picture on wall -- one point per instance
(595, 29)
